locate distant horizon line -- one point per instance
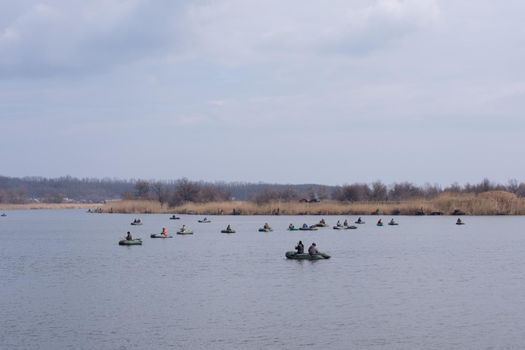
(260, 182)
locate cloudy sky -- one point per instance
(295, 91)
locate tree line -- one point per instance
(176, 192)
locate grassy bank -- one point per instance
(5, 206)
(488, 203)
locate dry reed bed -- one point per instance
(488, 203)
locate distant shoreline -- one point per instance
(30, 206)
(489, 203)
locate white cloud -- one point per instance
(239, 30)
(81, 37)
(58, 37)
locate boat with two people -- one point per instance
(344, 226)
(136, 222)
(312, 254)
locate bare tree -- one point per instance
(161, 192)
(379, 191)
(142, 189)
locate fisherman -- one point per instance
(313, 249)
(359, 220)
(300, 247)
(345, 223)
(322, 222)
(379, 222)
(338, 223)
(228, 228)
(305, 226)
(266, 226)
(164, 232)
(459, 222)
(392, 222)
(128, 236)
(183, 228)
(291, 227)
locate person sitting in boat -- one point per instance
(338, 223)
(183, 228)
(228, 228)
(322, 222)
(313, 249)
(392, 222)
(291, 227)
(266, 226)
(164, 232)
(305, 225)
(359, 220)
(379, 222)
(459, 222)
(205, 219)
(300, 247)
(345, 223)
(128, 236)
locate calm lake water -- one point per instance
(426, 284)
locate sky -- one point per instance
(296, 91)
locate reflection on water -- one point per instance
(425, 284)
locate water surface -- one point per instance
(426, 284)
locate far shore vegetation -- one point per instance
(184, 196)
(486, 203)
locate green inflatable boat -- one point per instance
(306, 256)
(185, 232)
(310, 228)
(262, 229)
(227, 231)
(158, 235)
(137, 241)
